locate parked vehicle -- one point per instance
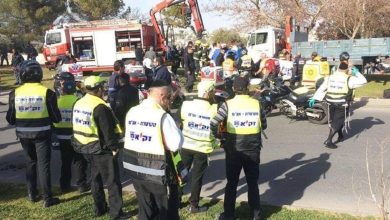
(96, 45)
(271, 94)
(296, 105)
(271, 41)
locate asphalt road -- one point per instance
(296, 169)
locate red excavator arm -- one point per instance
(193, 11)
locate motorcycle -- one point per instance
(271, 93)
(296, 105)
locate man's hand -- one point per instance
(311, 101)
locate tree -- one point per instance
(253, 14)
(98, 9)
(226, 36)
(331, 19)
(357, 19)
(27, 20)
(173, 18)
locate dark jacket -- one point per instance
(219, 60)
(139, 54)
(51, 104)
(189, 62)
(127, 98)
(162, 73)
(113, 86)
(17, 59)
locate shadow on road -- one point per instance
(360, 125)
(292, 187)
(6, 127)
(5, 145)
(300, 175)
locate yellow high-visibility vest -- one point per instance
(85, 130)
(63, 129)
(338, 89)
(243, 115)
(196, 116)
(144, 152)
(31, 110)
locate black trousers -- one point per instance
(235, 161)
(156, 201)
(68, 155)
(4, 57)
(190, 80)
(198, 161)
(104, 167)
(38, 153)
(337, 114)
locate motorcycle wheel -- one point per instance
(323, 119)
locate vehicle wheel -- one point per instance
(323, 119)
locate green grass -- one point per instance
(7, 78)
(373, 89)
(14, 205)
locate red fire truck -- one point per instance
(97, 44)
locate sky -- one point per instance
(211, 21)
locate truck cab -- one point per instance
(264, 40)
(56, 44)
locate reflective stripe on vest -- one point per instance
(338, 89)
(144, 141)
(246, 61)
(243, 115)
(34, 129)
(196, 116)
(31, 110)
(144, 170)
(311, 73)
(65, 104)
(64, 137)
(85, 130)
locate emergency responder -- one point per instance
(128, 97)
(245, 120)
(16, 61)
(189, 68)
(113, 82)
(228, 67)
(297, 70)
(314, 57)
(197, 55)
(335, 89)
(204, 60)
(64, 131)
(96, 135)
(33, 108)
(151, 134)
(198, 140)
(314, 71)
(245, 62)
